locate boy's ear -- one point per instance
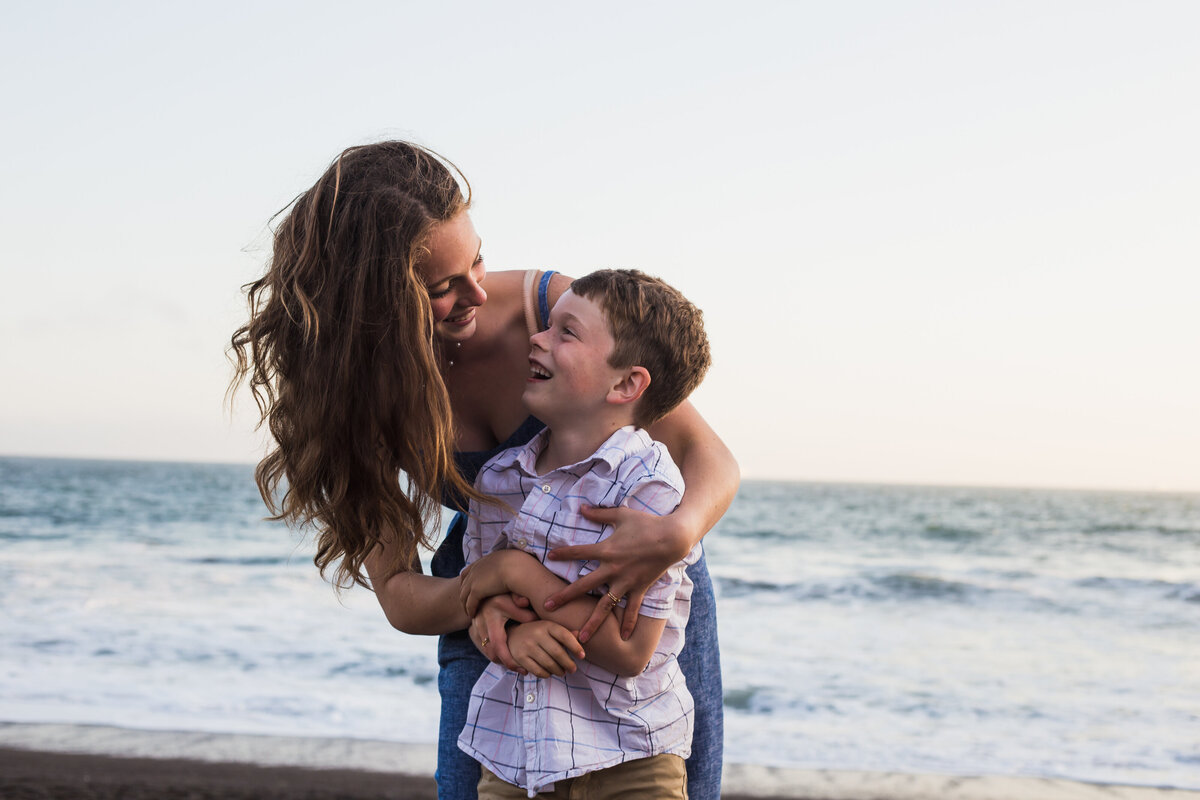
(630, 388)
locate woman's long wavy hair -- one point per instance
(339, 356)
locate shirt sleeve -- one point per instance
(472, 543)
(486, 529)
(659, 497)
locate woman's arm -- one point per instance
(412, 601)
(425, 605)
(642, 545)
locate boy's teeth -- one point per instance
(538, 371)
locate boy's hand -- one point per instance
(641, 548)
(489, 628)
(544, 648)
(485, 578)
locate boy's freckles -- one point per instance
(568, 362)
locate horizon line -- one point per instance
(810, 481)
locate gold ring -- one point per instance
(484, 641)
(615, 600)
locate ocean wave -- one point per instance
(737, 587)
(1167, 590)
(1135, 529)
(35, 536)
(891, 586)
(359, 669)
(1009, 590)
(751, 699)
(759, 533)
(763, 700)
(951, 533)
(911, 585)
(240, 561)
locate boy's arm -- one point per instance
(522, 573)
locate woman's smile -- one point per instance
(465, 318)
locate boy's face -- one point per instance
(569, 369)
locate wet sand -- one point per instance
(42, 775)
(26, 775)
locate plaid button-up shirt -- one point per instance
(532, 731)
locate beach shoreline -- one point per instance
(103, 762)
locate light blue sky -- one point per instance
(935, 242)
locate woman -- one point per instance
(374, 352)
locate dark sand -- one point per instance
(28, 774)
(36, 775)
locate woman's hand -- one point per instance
(489, 628)
(640, 549)
(486, 578)
(544, 648)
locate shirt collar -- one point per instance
(611, 453)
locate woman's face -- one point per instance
(453, 273)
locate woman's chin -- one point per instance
(454, 333)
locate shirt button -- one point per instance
(522, 542)
(529, 698)
(546, 488)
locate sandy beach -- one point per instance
(42, 775)
(34, 775)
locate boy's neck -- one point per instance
(571, 441)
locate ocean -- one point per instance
(960, 631)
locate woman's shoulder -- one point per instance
(504, 306)
(506, 291)
(501, 284)
(514, 280)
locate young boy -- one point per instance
(622, 350)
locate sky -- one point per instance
(935, 242)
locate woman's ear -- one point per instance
(631, 386)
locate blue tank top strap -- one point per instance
(544, 298)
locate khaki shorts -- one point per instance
(655, 778)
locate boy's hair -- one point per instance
(653, 326)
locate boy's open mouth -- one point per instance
(537, 372)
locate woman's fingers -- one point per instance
(464, 590)
(478, 634)
(600, 613)
(603, 515)
(497, 650)
(469, 598)
(633, 605)
(508, 608)
(598, 551)
(588, 583)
